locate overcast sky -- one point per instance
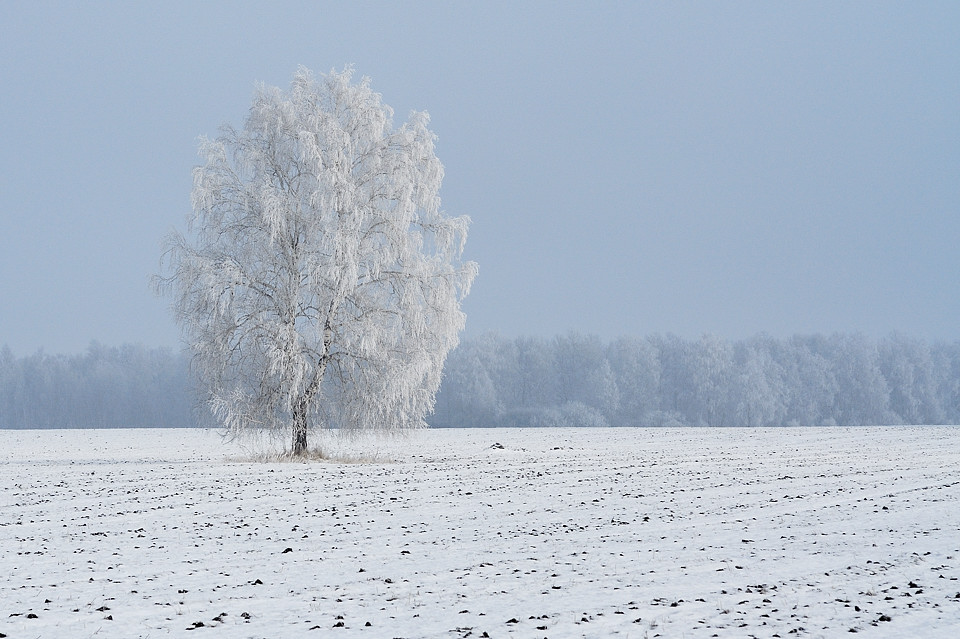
(630, 168)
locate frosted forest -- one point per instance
(568, 380)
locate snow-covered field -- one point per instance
(552, 533)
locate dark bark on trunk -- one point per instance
(301, 410)
(300, 428)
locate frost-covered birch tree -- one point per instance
(319, 282)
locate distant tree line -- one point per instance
(663, 380)
(568, 380)
(105, 387)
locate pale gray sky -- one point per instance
(630, 167)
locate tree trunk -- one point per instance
(302, 408)
(300, 428)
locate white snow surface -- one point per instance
(554, 533)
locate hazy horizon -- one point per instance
(630, 169)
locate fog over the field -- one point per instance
(630, 168)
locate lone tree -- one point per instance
(321, 284)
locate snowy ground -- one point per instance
(559, 533)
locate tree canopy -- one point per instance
(320, 281)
